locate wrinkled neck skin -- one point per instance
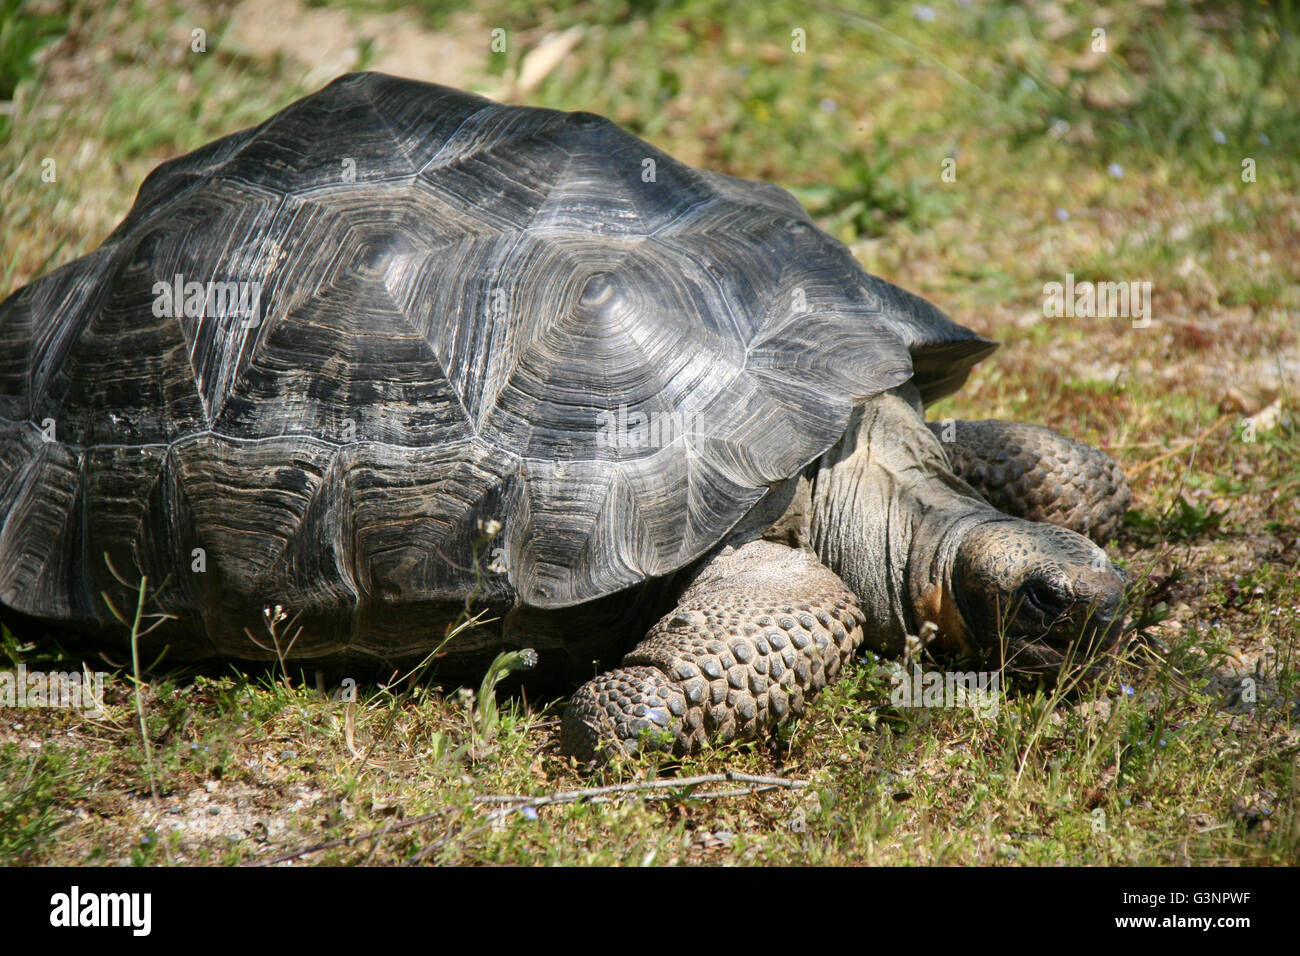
(887, 515)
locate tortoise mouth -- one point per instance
(1042, 632)
(1036, 635)
(1042, 596)
(1088, 648)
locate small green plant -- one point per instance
(485, 715)
(866, 196)
(12, 648)
(1191, 521)
(140, 625)
(273, 619)
(145, 852)
(1182, 521)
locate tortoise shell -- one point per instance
(322, 359)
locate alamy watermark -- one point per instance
(1110, 300)
(129, 910)
(179, 299)
(979, 690)
(73, 690)
(624, 429)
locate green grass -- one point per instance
(1165, 761)
(1161, 754)
(23, 37)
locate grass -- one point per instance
(1123, 164)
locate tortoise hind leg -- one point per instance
(757, 632)
(1035, 473)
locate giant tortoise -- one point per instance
(401, 352)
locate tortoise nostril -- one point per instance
(1046, 596)
(1105, 591)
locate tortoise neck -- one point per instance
(887, 515)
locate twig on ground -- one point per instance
(671, 783)
(510, 803)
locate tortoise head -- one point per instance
(917, 544)
(1050, 595)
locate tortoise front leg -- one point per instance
(757, 632)
(1035, 473)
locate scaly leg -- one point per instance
(757, 632)
(1035, 473)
